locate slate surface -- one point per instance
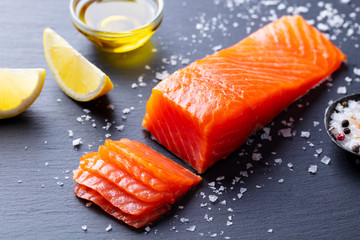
(36, 149)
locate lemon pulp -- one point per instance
(19, 88)
(75, 75)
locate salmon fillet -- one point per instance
(205, 111)
(131, 181)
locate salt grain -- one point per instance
(84, 227)
(108, 228)
(256, 156)
(120, 128)
(312, 169)
(191, 228)
(213, 198)
(305, 134)
(325, 160)
(341, 90)
(357, 71)
(71, 133)
(77, 142)
(278, 160)
(285, 132)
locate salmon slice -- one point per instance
(136, 221)
(112, 193)
(131, 181)
(205, 111)
(154, 169)
(92, 163)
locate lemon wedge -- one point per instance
(19, 88)
(75, 75)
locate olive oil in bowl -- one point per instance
(117, 25)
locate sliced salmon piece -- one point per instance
(131, 181)
(161, 172)
(92, 163)
(112, 193)
(136, 221)
(205, 111)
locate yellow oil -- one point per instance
(118, 25)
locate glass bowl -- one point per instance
(116, 41)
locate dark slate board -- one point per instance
(35, 146)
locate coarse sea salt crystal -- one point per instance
(256, 156)
(120, 128)
(357, 71)
(191, 228)
(270, 230)
(161, 75)
(213, 198)
(281, 180)
(312, 169)
(108, 228)
(326, 160)
(285, 132)
(84, 227)
(77, 142)
(71, 133)
(305, 134)
(278, 160)
(220, 178)
(341, 90)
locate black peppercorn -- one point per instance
(347, 130)
(345, 123)
(356, 148)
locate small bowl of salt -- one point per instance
(342, 122)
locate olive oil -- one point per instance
(118, 25)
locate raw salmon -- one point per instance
(205, 111)
(136, 221)
(116, 196)
(131, 181)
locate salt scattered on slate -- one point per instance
(84, 227)
(213, 198)
(256, 156)
(184, 220)
(305, 134)
(147, 229)
(80, 120)
(19, 181)
(161, 75)
(108, 228)
(110, 106)
(341, 90)
(281, 180)
(325, 160)
(312, 169)
(270, 230)
(278, 160)
(60, 184)
(71, 133)
(285, 132)
(120, 128)
(126, 110)
(107, 135)
(357, 71)
(191, 228)
(77, 142)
